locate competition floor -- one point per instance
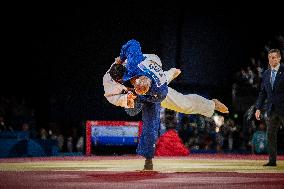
(194, 171)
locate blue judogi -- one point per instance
(150, 103)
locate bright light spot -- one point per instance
(219, 120)
(236, 116)
(217, 129)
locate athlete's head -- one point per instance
(116, 72)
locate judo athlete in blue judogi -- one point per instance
(151, 88)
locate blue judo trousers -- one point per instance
(150, 103)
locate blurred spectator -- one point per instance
(60, 142)
(220, 139)
(163, 121)
(25, 127)
(69, 144)
(170, 119)
(185, 130)
(43, 134)
(259, 140)
(55, 134)
(194, 141)
(3, 126)
(251, 75)
(208, 142)
(80, 144)
(259, 71)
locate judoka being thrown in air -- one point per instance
(137, 82)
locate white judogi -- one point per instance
(116, 94)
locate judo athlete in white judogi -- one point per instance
(117, 94)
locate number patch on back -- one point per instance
(153, 69)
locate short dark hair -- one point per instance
(274, 51)
(117, 71)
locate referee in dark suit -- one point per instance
(272, 90)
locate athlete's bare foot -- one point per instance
(176, 73)
(220, 107)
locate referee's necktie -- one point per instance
(273, 75)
